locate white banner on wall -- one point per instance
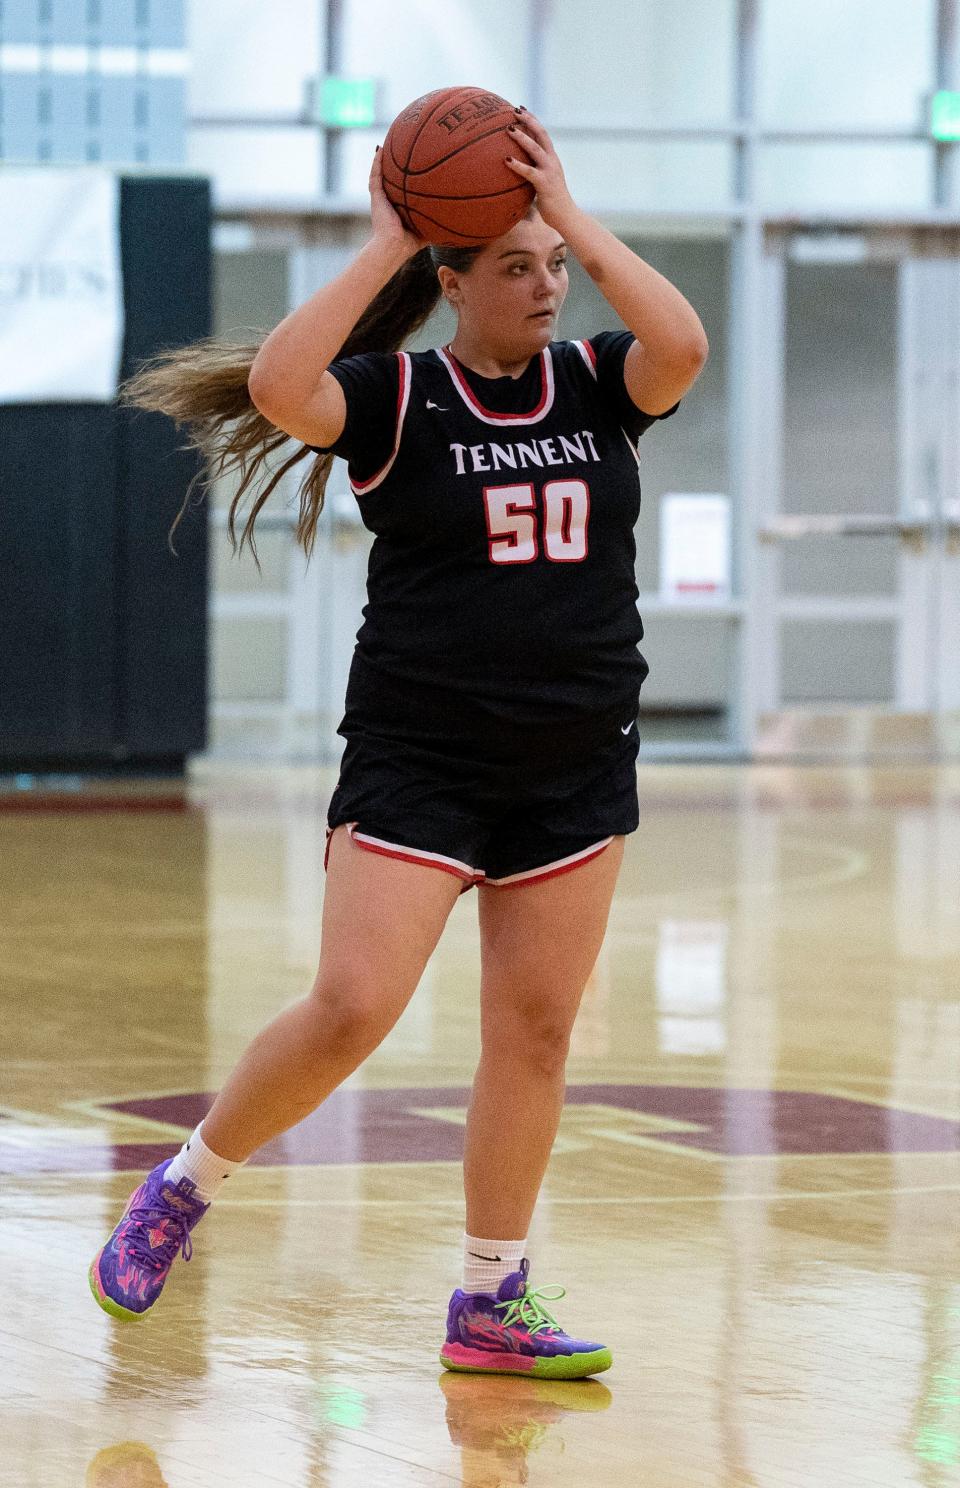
(61, 285)
(694, 547)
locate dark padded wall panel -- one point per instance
(103, 632)
(57, 579)
(165, 235)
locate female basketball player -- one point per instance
(490, 712)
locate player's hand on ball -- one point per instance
(387, 226)
(540, 165)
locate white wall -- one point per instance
(640, 62)
(418, 45)
(861, 62)
(617, 63)
(252, 59)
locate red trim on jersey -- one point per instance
(590, 358)
(591, 354)
(487, 414)
(360, 488)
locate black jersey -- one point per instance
(501, 591)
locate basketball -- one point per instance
(445, 171)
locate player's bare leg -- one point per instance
(539, 944)
(382, 919)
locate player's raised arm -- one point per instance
(671, 344)
(289, 382)
(238, 403)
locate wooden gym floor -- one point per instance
(754, 1198)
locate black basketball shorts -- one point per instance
(499, 823)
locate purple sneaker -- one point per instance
(512, 1333)
(127, 1275)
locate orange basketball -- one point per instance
(444, 167)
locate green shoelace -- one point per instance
(528, 1310)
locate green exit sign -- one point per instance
(350, 103)
(945, 115)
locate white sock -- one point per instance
(488, 1262)
(203, 1167)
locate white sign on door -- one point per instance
(694, 547)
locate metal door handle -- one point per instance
(345, 520)
(915, 534)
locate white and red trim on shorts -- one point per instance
(487, 414)
(550, 870)
(464, 871)
(407, 854)
(360, 488)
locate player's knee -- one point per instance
(350, 1011)
(538, 1031)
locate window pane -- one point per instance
(689, 657)
(249, 58)
(841, 661)
(609, 175)
(259, 164)
(866, 62)
(890, 177)
(640, 62)
(250, 292)
(840, 424)
(248, 658)
(416, 47)
(231, 573)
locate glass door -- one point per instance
(857, 553)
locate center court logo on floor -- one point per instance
(426, 1124)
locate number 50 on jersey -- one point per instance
(512, 521)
